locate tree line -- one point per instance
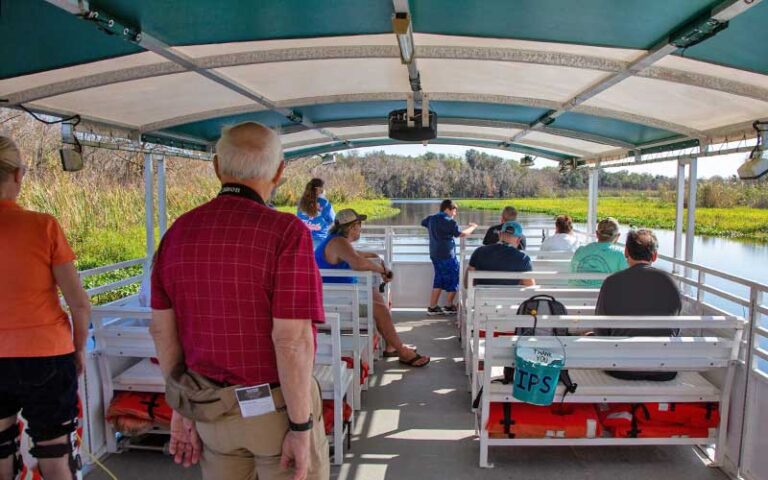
(481, 175)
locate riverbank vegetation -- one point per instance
(645, 211)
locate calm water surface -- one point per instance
(744, 259)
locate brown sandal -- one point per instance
(412, 362)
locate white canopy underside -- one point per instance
(145, 92)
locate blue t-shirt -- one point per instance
(319, 224)
(442, 231)
(500, 257)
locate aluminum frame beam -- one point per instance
(723, 12)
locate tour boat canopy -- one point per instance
(593, 81)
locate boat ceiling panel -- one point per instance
(194, 22)
(698, 67)
(430, 40)
(318, 78)
(743, 45)
(635, 24)
(28, 43)
(694, 107)
(304, 136)
(612, 128)
(209, 50)
(566, 144)
(139, 102)
(73, 74)
(557, 84)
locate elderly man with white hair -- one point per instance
(236, 295)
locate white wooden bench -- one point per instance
(334, 378)
(491, 301)
(366, 282)
(695, 351)
(343, 300)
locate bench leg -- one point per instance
(338, 432)
(484, 450)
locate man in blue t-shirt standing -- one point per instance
(443, 230)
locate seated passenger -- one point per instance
(563, 240)
(504, 256)
(509, 214)
(336, 252)
(603, 256)
(640, 290)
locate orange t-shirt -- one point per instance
(32, 322)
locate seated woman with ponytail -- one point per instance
(316, 211)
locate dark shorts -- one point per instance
(43, 389)
(446, 274)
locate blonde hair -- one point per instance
(10, 158)
(249, 150)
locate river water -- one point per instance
(744, 259)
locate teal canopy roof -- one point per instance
(594, 79)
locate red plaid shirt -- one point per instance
(227, 268)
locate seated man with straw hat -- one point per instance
(336, 252)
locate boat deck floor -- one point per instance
(415, 424)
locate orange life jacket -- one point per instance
(137, 412)
(698, 414)
(364, 368)
(522, 420)
(659, 420)
(328, 415)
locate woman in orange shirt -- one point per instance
(41, 352)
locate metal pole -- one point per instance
(678, 251)
(162, 207)
(594, 177)
(690, 228)
(148, 209)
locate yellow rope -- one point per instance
(94, 459)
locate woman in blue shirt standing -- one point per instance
(316, 211)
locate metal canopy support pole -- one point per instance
(690, 229)
(148, 209)
(162, 206)
(680, 197)
(594, 176)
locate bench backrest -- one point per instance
(343, 299)
(693, 352)
(491, 300)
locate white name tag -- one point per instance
(255, 401)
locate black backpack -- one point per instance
(535, 306)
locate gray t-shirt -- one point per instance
(639, 290)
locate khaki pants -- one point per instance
(237, 448)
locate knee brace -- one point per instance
(9, 446)
(68, 448)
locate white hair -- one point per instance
(259, 157)
(10, 157)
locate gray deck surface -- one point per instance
(415, 424)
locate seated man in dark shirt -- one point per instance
(509, 214)
(640, 290)
(503, 256)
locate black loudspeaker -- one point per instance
(399, 129)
